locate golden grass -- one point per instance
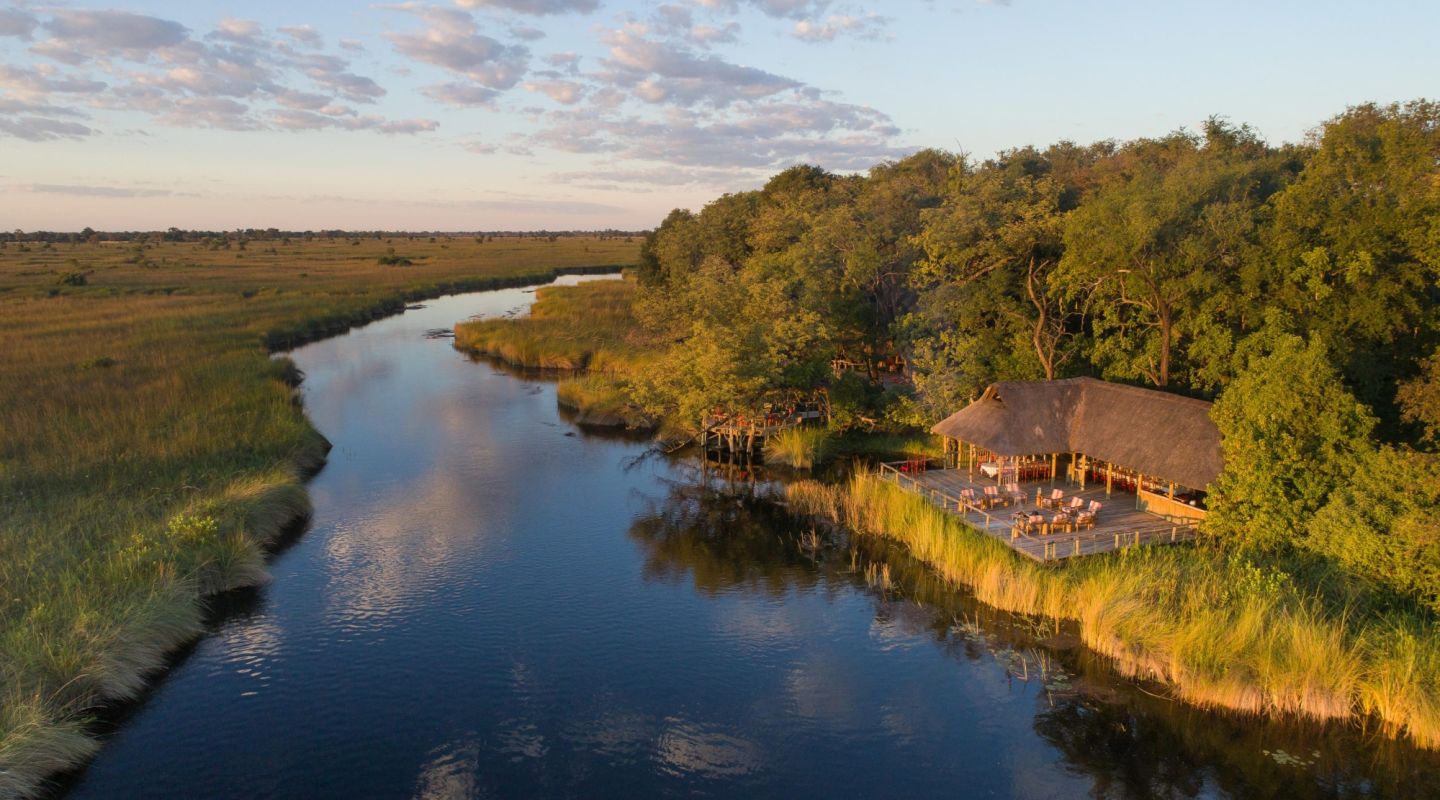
(801, 448)
(589, 327)
(150, 448)
(1221, 633)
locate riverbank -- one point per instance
(1218, 631)
(589, 331)
(153, 449)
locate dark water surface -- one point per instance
(492, 604)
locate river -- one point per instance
(491, 603)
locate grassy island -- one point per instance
(150, 447)
(588, 331)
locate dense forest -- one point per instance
(1295, 285)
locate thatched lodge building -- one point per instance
(1156, 444)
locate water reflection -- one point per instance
(494, 603)
(1124, 738)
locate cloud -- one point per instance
(678, 21)
(565, 92)
(791, 9)
(297, 120)
(452, 41)
(658, 71)
(767, 135)
(243, 32)
(235, 77)
(79, 190)
(106, 33)
(869, 26)
(17, 23)
(535, 7)
(614, 178)
(41, 129)
(44, 80)
(461, 95)
(569, 63)
(304, 34)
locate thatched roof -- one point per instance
(1159, 434)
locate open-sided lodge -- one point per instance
(1055, 455)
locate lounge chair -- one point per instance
(1085, 519)
(1017, 496)
(1061, 522)
(993, 497)
(1055, 499)
(1075, 504)
(967, 496)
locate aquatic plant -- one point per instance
(801, 448)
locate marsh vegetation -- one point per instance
(151, 446)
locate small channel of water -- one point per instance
(491, 603)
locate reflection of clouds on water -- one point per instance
(519, 740)
(612, 734)
(819, 691)
(896, 627)
(760, 626)
(693, 749)
(252, 650)
(452, 773)
(410, 543)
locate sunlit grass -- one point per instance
(801, 448)
(589, 327)
(150, 448)
(1220, 632)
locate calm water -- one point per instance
(490, 603)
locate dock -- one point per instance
(1125, 519)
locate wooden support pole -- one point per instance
(1109, 477)
(1172, 490)
(1054, 466)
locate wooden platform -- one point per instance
(1120, 522)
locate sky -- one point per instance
(592, 114)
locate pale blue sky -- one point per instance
(506, 114)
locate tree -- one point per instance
(859, 254)
(1169, 227)
(1419, 399)
(1001, 224)
(1291, 435)
(1355, 244)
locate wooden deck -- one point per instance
(1119, 524)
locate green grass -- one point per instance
(150, 448)
(1219, 631)
(589, 328)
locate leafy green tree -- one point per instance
(1380, 526)
(1292, 434)
(1167, 230)
(1000, 232)
(860, 252)
(1419, 399)
(1356, 243)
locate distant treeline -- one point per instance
(275, 234)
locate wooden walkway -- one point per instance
(1119, 524)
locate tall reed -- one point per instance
(1221, 631)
